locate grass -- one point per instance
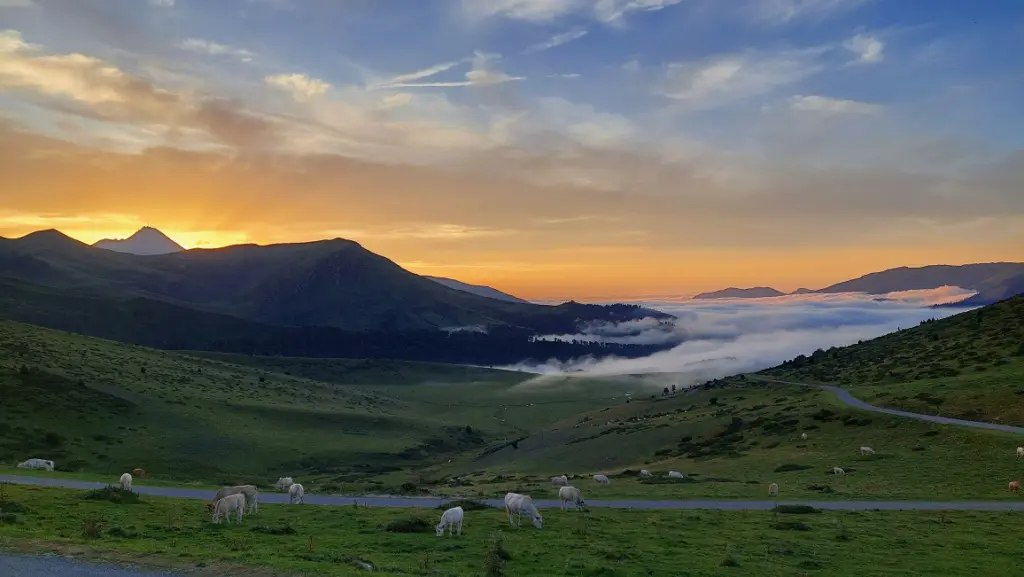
(335, 540)
(103, 408)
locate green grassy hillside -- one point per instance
(101, 406)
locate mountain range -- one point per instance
(479, 290)
(333, 283)
(991, 281)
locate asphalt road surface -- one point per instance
(55, 565)
(845, 396)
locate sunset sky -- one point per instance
(550, 148)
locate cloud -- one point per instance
(421, 231)
(17, 4)
(867, 49)
(214, 49)
(557, 40)
(482, 73)
(402, 79)
(542, 11)
(825, 105)
(722, 80)
(723, 338)
(161, 3)
(301, 86)
(568, 76)
(777, 12)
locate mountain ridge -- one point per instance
(480, 290)
(147, 241)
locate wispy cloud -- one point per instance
(866, 48)
(201, 46)
(825, 105)
(17, 4)
(784, 11)
(301, 86)
(482, 73)
(161, 3)
(422, 232)
(557, 40)
(726, 79)
(404, 79)
(540, 11)
(568, 76)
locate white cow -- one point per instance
(676, 475)
(451, 520)
(803, 436)
(126, 482)
(773, 489)
(517, 504)
(573, 495)
(252, 495)
(296, 493)
(284, 483)
(561, 481)
(867, 451)
(36, 464)
(223, 508)
(1020, 452)
(645, 473)
(603, 479)
(838, 471)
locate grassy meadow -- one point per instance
(312, 540)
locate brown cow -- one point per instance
(138, 473)
(1015, 486)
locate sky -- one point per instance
(550, 148)
(715, 339)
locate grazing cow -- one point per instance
(645, 473)
(516, 504)
(296, 493)
(867, 451)
(223, 508)
(36, 464)
(140, 473)
(126, 482)
(571, 494)
(773, 490)
(803, 436)
(1015, 486)
(838, 471)
(284, 483)
(601, 479)
(252, 496)
(451, 520)
(560, 481)
(676, 475)
(1020, 452)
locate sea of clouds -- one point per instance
(721, 337)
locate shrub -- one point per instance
(8, 518)
(92, 528)
(409, 525)
(791, 467)
(795, 509)
(114, 495)
(791, 526)
(466, 504)
(280, 530)
(496, 556)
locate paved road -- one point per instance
(385, 501)
(845, 396)
(50, 565)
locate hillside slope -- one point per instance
(334, 283)
(741, 293)
(978, 277)
(147, 241)
(479, 290)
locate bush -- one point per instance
(466, 504)
(409, 525)
(496, 556)
(92, 528)
(791, 467)
(281, 530)
(113, 494)
(8, 518)
(795, 509)
(791, 526)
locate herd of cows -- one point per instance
(242, 500)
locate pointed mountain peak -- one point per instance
(146, 241)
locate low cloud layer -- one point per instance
(730, 336)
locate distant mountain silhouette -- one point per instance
(993, 293)
(332, 283)
(480, 290)
(741, 293)
(802, 291)
(982, 277)
(146, 242)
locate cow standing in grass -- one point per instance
(1015, 487)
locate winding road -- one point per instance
(847, 398)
